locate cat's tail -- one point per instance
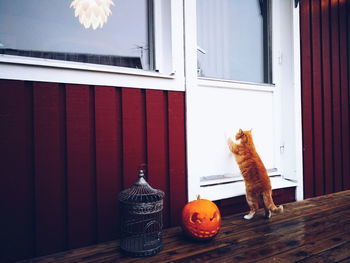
(269, 204)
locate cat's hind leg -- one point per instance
(254, 205)
(268, 213)
(269, 205)
(250, 215)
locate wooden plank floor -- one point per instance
(313, 230)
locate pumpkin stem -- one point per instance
(198, 197)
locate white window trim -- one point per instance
(231, 178)
(193, 84)
(231, 84)
(224, 191)
(169, 76)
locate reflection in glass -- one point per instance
(49, 29)
(232, 37)
(92, 13)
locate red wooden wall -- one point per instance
(66, 152)
(325, 66)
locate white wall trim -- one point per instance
(33, 69)
(191, 84)
(238, 189)
(297, 105)
(230, 84)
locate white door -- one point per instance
(240, 68)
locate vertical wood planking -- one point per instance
(347, 180)
(337, 139)
(157, 145)
(177, 155)
(80, 167)
(317, 97)
(73, 148)
(307, 112)
(327, 97)
(134, 134)
(108, 160)
(50, 182)
(334, 62)
(17, 217)
(344, 82)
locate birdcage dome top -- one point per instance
(141, 192)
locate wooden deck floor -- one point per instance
(313, 230)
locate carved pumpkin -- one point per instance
(201, 219)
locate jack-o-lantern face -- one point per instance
(201, 219)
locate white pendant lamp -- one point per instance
(92, 12)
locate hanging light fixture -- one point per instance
(92, 12)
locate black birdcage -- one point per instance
(141, 219)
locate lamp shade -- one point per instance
(92, 13)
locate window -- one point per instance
(234, 40)
(50, 30)
(141, 45)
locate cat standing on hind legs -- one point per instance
(257, 182)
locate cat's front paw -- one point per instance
(231, 145)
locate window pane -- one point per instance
(231, 40)
(49, 29)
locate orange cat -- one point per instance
(257, 182)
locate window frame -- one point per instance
(169, 64)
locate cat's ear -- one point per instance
(239, 134)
